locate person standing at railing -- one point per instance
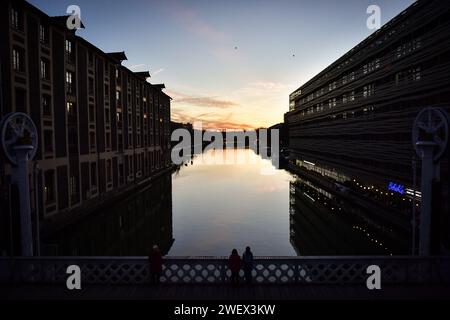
(247, 258)
(156, 261)
(235, 264)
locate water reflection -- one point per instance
(219, 205)
(323, 223)
(129, 228)
(212, 205)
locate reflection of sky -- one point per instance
(227, 63)
(220, 207)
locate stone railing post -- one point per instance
(223, 271)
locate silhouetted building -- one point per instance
(102, 128)
(351, 125)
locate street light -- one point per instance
(430, 139)
(19, 144)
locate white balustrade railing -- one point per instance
(214, 270)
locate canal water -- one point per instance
(229, 199)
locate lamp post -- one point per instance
(430, 139)
(20, 178)
(19, 144)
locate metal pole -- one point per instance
(20, 173)
(426, 149)
(36, 200)
(414, 210)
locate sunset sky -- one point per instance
(231, 64)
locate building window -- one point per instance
(107, 116)
(48, 141)
(73, 141)
(69, 82)
(91, 85)
(118, 97)
(93, 175)
(70, 106)
(18, 60)
(43, 34)
(416, 74)
(69, 51)
(352, 76)
(332, 86)
(331, 103)
(92, 141)
(107, 91)
(371, 66)
(73, 189)
(368, 90)
(16, 19)
(49, 187)
(91, 59)
(46, 105)
(108, 171)
(408, 47)
(108, 140)
(21, 100)
(68, 47)
(352, 96)
(45, 69)
(91, 113)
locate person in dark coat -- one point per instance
(235, 264)
(156, 261)
(247, 259)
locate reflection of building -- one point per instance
(352, 123)
(129, 228)
(102, 128)
(325, 223)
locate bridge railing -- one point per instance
(214, 270)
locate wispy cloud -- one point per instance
(263, 87)
(154, 73)
(136, 67)
(218, 42)
(212, 121)
(190, 20)
(200, 101)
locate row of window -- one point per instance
(50, 182)
(412, 74)
(363, 51)
(369, 67)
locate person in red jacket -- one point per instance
(156, 261)
(235, 264)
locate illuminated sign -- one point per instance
(396, 188)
